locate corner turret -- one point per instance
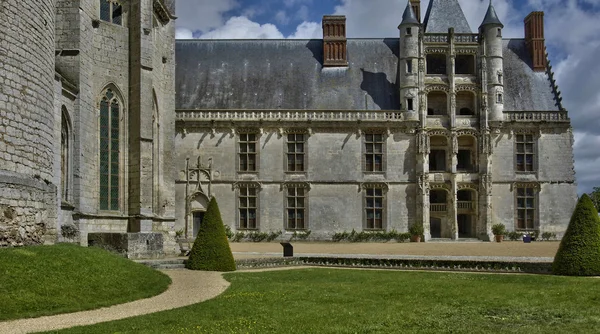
(410, 29)
(490, 31)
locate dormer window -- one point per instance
(111, 11)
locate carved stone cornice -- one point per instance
(373, 185)
(295, 184)
(472, 186)
(532, 185)
(246, 184)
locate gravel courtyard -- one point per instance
(455, 248)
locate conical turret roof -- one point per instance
(409, 16)
(491, 17)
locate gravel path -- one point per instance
(187, 287)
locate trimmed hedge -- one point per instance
(211, 250)
(404, 264)
(579, 250)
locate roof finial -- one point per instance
(491, 17)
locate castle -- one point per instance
(441, 126)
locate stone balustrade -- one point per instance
(293, 115)
(438, 207)
(536, 116)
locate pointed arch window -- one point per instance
(65, 156)
(110, 110)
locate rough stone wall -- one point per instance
(27, 192)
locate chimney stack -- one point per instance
(534, 39)
(334, 41)
(416, 7)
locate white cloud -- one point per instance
(308, 30)
(198, 16)
(240, 27)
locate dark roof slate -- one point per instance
(444, 14)
(491, 17)
(409, 17)
(288, 74)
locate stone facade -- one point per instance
(453, 130)
(118, 54)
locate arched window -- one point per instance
(156, 155)
(110, 110)
(65, 156)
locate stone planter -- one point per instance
(415, 238)
(185, 246)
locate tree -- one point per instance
(211, 250)
(579, 250)
(595, 196)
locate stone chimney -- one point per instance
(534, 38)
(334, 41)
(416, 7)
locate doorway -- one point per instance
(197, 222)
(465, 226)
(435, 227)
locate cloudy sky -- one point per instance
(571, 31)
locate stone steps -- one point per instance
(159, 264)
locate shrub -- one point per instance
(514, 235)
(228, 232)
(273, 235)
(579, 250)
(211, 249)
(416, 229)
(498, 229)
(548, 235)
(257, 236)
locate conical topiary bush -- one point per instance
(579, 251)
(211, 250)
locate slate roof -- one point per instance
(443, 14)
(288, 74)
(409, 17)
(491, 17)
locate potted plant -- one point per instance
(499, 230)
(416, 231)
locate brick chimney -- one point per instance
(416, 7)
(334, 41)
(534, 38)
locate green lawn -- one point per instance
(42, 280)
(367, 301)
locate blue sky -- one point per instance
(571, 32)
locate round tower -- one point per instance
(491, 31)
(27, 135)
(408, 62)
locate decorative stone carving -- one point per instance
(430, 88)
(377, 185)
(246, 184)
(534, 185)
(295, 184)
